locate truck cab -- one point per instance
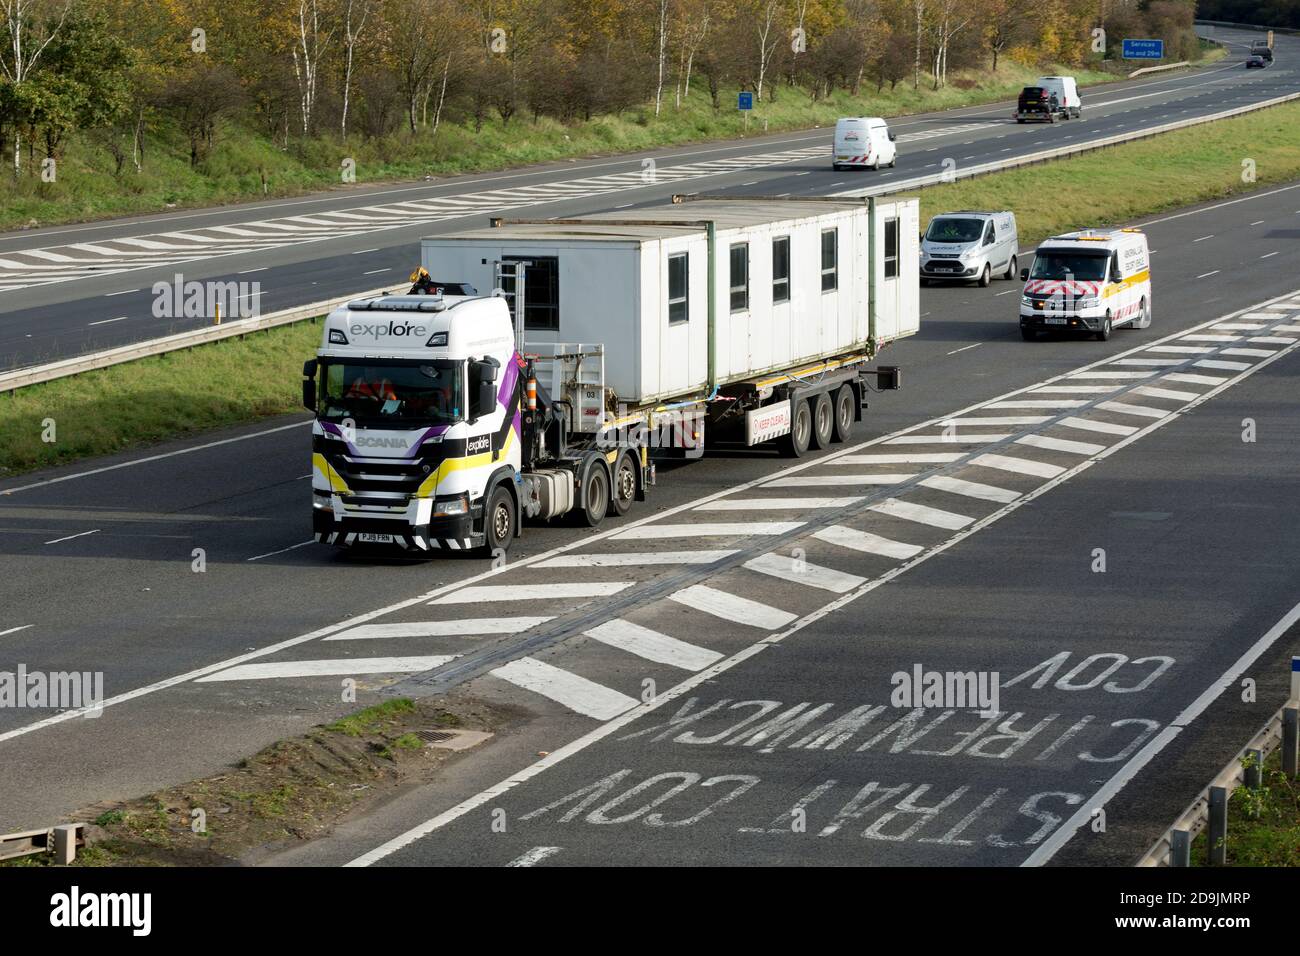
(1091, 281)
(416, 438)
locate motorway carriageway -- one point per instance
(71, 289)
(1055, 441)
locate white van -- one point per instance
(970, 246)
(1091, 281)
(863, 142)
(1067, 93)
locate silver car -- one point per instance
(969, 247)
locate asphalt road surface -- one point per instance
(66, 290)
(761, 606)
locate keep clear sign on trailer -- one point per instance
(1144, 49)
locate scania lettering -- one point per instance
(608, 342)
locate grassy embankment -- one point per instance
(242, 380)
(1263, 824)
(88, 189)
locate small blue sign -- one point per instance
(1144, 49)
(745, 101)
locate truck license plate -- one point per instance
(1054, 321)
(367, 538)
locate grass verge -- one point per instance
(292, 791)
(241, 380)
(1263, 824)
(245, 166)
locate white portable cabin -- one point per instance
(637, 283)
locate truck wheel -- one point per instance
(1143, 321)
(986, 276)
(844, 400)
(823, 415)
(1104, 333)
(795, 444)
(1011, 269)
(593, 500)
(499, 521)
(620, 502)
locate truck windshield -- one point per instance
(954, 230)
(376, 392)
(1061, 264)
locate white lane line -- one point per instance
(777, 504)
(1000, 420)
(971, 489)
(1125, 774)
(1206, 275)
(1269, 255)
(867, 542)
(1018, 466)
(936, 458)
(1105, 428)
(1183, 349)
(1191, 379)
(1286, 328)
(1211, 337)
(1250, 353)
(1226, 366)
(921, 514)
(465, 627)
(1203, 238)
(271, 670)
(292, 547)
(375, 272)
(969, 439)
(1156, 392)
(996, 295)
(565, 688)
(1150, 361)
(623, 559)
(705, 530)
(109, 295)
(486, 796)
(653, 646)
(534, 856)
(532, 592)
(15, 630)
(729, 607)
(1116, 375)
(362, 252)
(1077, 390)
(1271, 340)
(800, 571)
(1038, 403)
(71, 536)
(1141, 410)
(1060, 444)
(248, 271)
(965, 348)
(1237, 326)
(120, 318)
(823, 481)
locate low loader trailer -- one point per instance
(443, 422)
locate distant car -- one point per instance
(1261, 48)
(1254, 60)
(863, 142)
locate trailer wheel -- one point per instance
(620, 502)
(499, 521)
(593, 499)
(823, 415)
(844, 402)
(795, 444)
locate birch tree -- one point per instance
(355, 15)
(26, 38)
(309, 49)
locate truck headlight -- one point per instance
(1086, 302)
(451, 507)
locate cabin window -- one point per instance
(781, 269)
(891, 248)
(830, 259)
(740, 277)
(541, 291)
(678, 270)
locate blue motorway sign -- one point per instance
(745, 101)
(1144, 49)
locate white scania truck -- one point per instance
(444, 421)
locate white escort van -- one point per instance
(863, 142)
(969, 246)
(1090, 281)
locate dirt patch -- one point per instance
(294, 790)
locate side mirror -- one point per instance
(486, 399)
(1024, 275)
(483, 379)
(893, 138)
(309, 385)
